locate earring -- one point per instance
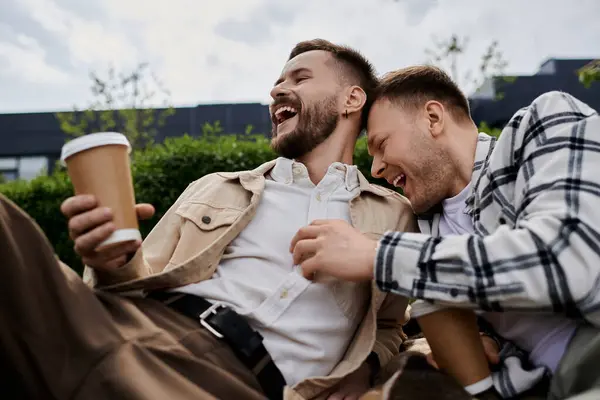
(346, 114)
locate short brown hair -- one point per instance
(355, 68)
(416, 85)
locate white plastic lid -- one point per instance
(92, 140)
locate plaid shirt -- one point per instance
(536, 216)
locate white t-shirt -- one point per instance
(544, 337)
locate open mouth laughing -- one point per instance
(399, 181)
(283, 113)
(284, 117)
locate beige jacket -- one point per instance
(187, 244)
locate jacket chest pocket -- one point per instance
(204, 224)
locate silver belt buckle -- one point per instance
(211, 310)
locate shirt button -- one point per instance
(318, 197)
(284, 294)
(206, 219)
(454, 292)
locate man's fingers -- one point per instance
(78, 204)
(320, 222)
(79, 224)
(492, 357)
(431, 361)
(106, 255)
(116, 263)
(307, 232)
(309, 268)
(85, 245)
(144, 211)
(107, 265)
(491, 349)
(337, 396)
(304, 249)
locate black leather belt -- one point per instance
(224, 323)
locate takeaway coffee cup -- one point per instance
(98, 164)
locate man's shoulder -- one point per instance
(223, 177)
(548, 107)
(214, 178)
(218, 185)
(390, 211)
(390, 195)
(386, 192)
(558, 101)
(545, 117)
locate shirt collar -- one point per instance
(485, 147)
(290, 171)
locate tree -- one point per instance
(446, 54)
(589, 73)
(122, 101)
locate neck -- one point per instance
(463, 147)
(336, 148)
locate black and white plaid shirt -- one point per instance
(535, 204)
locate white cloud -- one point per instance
(90, 43)
(24, 59)
(233, 50)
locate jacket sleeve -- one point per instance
(392, 315)
(154, 254)
(547, 259)
(394, 310)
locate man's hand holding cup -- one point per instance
(90, 225)
(103, 216)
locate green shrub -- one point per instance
(485, 128)
(160, 175)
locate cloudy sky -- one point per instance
(208, 51)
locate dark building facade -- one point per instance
(499, 98)
(30, 143)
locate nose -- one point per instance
(278, 91)
(377, 168)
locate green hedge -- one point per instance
(160, 174)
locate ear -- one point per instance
(355, 99)
(436, 115)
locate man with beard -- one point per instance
(211, 304)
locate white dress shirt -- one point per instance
(306, 326)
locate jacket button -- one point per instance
(206, 219)
(454, 292)
(502, 221)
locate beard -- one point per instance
(315, 124)
(429, 182)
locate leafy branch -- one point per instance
(123, 101)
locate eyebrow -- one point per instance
(293, 72)
(370, 142)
